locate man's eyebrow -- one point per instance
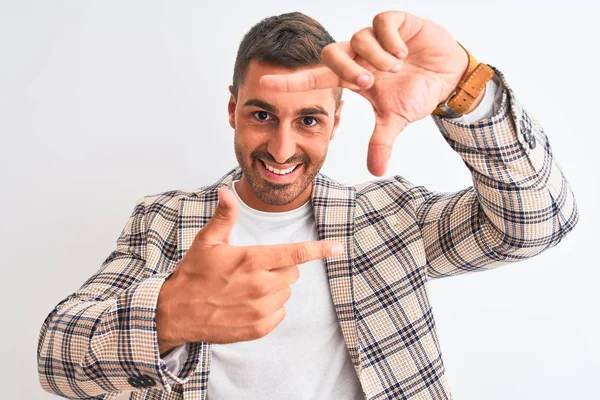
(260, 104)
(271, 108)
(312, 111)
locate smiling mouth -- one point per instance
(281, 172)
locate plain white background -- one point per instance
(104, 102)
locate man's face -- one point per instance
(281, 139)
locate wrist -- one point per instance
(476, 102)
(167, 339)
(469, 91)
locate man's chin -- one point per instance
(276, 193)
(276, 201)
(276, 190)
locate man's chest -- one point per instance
(311, 296)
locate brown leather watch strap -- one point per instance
(468, 89)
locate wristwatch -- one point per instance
(468, 89)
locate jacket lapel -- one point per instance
(334, 206)
(194, 212)
(197, 209)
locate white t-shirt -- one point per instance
(305, 356)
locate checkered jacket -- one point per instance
(102, 340)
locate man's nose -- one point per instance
(282, 145)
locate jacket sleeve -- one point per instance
(520, 203)
(102, 340)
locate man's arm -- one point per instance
(519, 205)
(405, 66)
(102, 338)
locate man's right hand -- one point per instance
(225, 294)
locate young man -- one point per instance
(190, 305)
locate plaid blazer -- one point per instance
(101, 340)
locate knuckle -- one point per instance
(218, 214)
(300, 253)
(248, 260)
(263, 289)
(327, 52)
(380, 19)
(260, 288)
(260, 329)
(259, 312)
(312, 81)
(355, 38)
(359, 39)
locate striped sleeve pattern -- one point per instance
(404, 235)
(519, 205)
(102, 335)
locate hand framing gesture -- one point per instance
(404, 65)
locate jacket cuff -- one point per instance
(133, 319)
(511, 136)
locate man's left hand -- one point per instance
(404, 65)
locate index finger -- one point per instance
(283, 255)
(301, 81)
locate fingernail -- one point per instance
(401, 54)
(337, 249)
(397, 67)
(363, 81)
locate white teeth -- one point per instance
(280, 171)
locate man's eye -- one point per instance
(309, 121)
(262, 115)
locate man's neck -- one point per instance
(242, 187)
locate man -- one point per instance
(196, 301)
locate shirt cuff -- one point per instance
(492, 99)
(175, 358)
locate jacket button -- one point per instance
(142, 381)
(133, 381)
(532, 142)
(146, 381)
(524, 127)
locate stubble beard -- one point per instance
(275, 193)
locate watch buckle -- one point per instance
(450, 112)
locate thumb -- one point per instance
(218, 229)
(380, 145)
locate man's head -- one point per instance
(281, 139)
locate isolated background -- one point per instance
(104, 102)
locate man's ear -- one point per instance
(231, 107)
(336, 120)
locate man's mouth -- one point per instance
(279, 174)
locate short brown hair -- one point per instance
(291, 40)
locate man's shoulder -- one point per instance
(168, 198)
(373, 187)
(379, 194)
(383, 196)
